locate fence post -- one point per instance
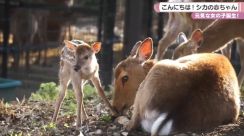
(5, 39)
(107, 41)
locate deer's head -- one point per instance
(190, 46)
(129, 74)
(85, 59)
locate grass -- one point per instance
(46, 92)
(49, 92)
(106, 118)
(49, 126)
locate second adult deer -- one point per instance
(181, 22)
(213, 38)
(195, 92)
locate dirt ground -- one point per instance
(33, 118)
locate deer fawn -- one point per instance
(195, 92)
(78, 63)
(213, 38)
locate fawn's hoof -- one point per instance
(80, 123)
(77, 125)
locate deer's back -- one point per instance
(197, 91)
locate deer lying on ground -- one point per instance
(213, 38)
(195, 92)
(123, 73)
(78, 64)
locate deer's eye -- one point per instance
(86, 57)
(124, 79)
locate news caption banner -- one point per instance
(204, 10)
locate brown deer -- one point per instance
(177, 22)
(24, 30)
(129, 73)
(213, 38)
(181, 22)
(78, 64)
(195, 92)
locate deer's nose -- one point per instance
(77, 67)
(116, 114)
(119, 109)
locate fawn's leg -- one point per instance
(96, 82)
(77, 84)
(64, 78)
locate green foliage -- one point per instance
(106, 118)
(16, 133)
(49, 92)
(49, 126)
(46, 92)
(89, 92)
(69, 104)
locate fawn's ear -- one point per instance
(197, 36)
(96, 46)
(145, 51)
(181, 38)
(135, 48)
(69, 45)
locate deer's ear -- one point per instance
(145, 51)
(135, 48)
(96, 46)
(69, 45)
(197, 36)
(181, 38)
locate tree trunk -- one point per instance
(16, 54)
(100, 21)
(161, 20)
(107, 44)
(135, 28)
(160, 26)
(5, 39)
(39, 55)
(147, 17)
(27, 59)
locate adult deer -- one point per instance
(27, 24)
(78, 64)
(180, 22)
(213, 38)
(195, 92)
